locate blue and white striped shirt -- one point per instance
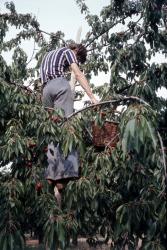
(55, 63)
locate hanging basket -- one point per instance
(105, 136)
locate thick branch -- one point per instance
(125, 32)
(23, 87)
(103, 32)
(121, 99)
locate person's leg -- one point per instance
(71, 165)
(48, 102)
(46, 97)
(63, 96)
(64, 100)
(57, 94)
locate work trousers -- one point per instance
(57, 94)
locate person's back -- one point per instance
(55, 63)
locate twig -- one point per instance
(23, 87)
(88, 50)
(122, 98)
(50, 34)
(31, 58)
(123, 89)
(163, 153)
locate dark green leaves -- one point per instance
(137, 130)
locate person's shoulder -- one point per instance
(57, 49)
(66, 49)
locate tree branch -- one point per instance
(50, 34)
(103, 32)
(31, 58)
(23, 87)
(126, 31)
(121, 99)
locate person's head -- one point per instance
(80, 51)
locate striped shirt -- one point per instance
(55, 63)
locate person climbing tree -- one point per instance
(57, 94)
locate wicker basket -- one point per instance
(107, 135)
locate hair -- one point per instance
(81, 51)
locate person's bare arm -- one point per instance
(83, 82)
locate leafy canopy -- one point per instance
(120, 194)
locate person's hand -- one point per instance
(94, 100)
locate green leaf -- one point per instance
(151, 132)
(20, 147)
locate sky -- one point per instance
(64, 15)
(54, 15)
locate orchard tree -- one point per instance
(120, 193)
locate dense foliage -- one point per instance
(120, 194)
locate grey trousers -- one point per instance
(57, 94)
